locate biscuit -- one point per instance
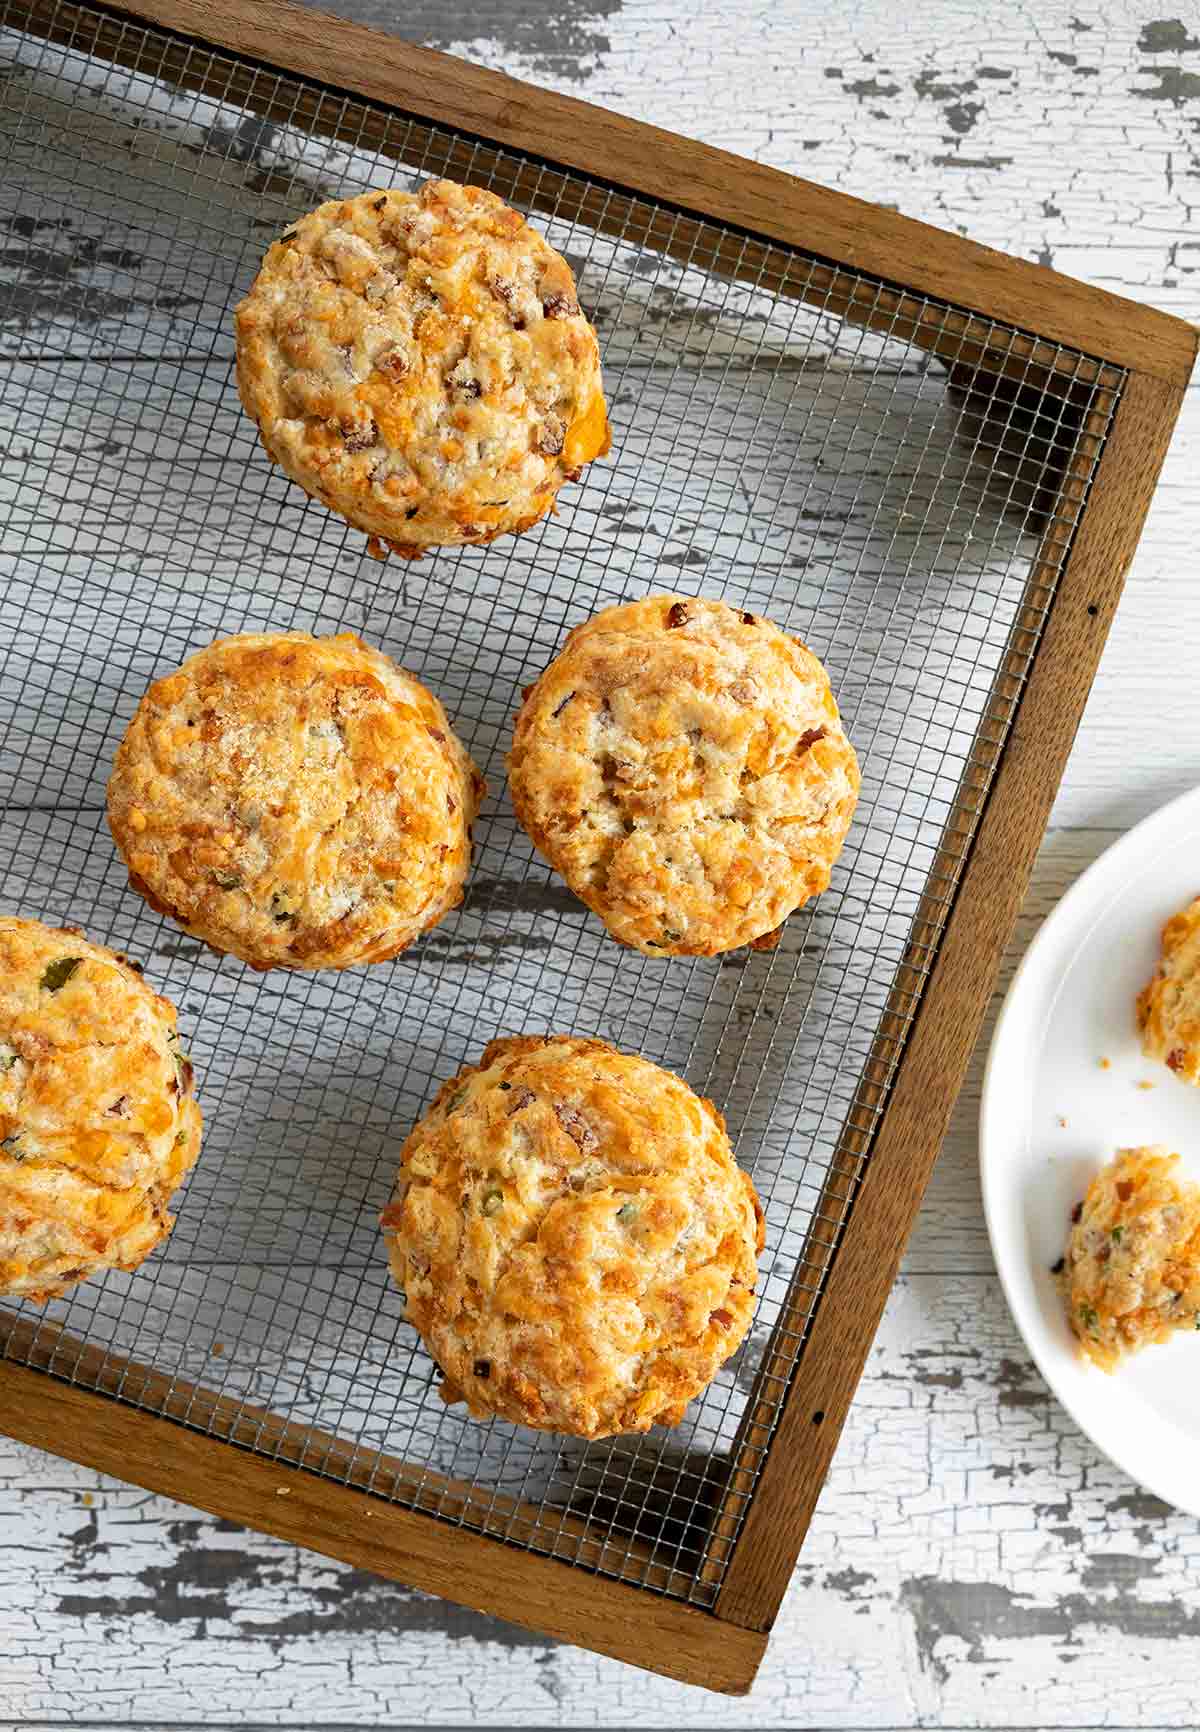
(1168, 1008)
(297, 802)
(1131, 1273)
(683, 766)
(419, 363)
(576, 1243)
(97, 1120)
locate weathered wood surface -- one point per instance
(973, 1562)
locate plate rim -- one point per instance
(1131, 841)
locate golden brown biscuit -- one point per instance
(683, 765)
(1131, 1273)
(97, 1121)
(575, 1241)
(419, 363)
(298, 802)
(1168, 1008)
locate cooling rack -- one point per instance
(928, 460)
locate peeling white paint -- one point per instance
(973, 1561)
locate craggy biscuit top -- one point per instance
(97, 1120)
(1131, 1272)
(683, 765)
(419, 362)
(574, 1238)
(298, 802)
(1168, 1007)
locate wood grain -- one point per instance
(954, 1001)
(970, 1544)
(43, 1346)
(297, 1505)
(646, 160)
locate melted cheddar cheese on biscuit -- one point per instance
(297, 802)
(576, 1244)
(97, 1120)
(682, 763)
(1131, 1272)
(1168, 1007)
(420, 364)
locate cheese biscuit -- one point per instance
(1131, 1272)
(297, 802)
(1168, 1007)
(97, 1120)
(419, 363)
(576, 1243)
(683, 765)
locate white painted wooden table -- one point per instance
(974, 1562)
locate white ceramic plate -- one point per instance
(1052, 1114)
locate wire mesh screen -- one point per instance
(897, 511)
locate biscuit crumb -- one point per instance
(1144, 1084)
(283, 1491)
(87, 1500)
(1130, 1274)
(1062, 1124)
(1167, 1005)
(1105, 1064)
